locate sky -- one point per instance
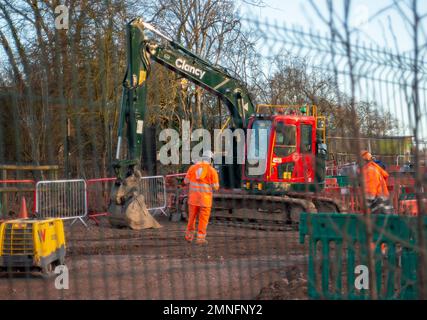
(374, 25)
(373, 28)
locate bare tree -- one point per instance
(212, 30)
(409, 11)
(293, 81)
(55, 75)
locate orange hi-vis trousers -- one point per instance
(203, 214)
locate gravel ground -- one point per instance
(107, 263)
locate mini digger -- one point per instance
(32, 245)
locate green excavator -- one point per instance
(294, 154)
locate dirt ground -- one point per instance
(107, 263)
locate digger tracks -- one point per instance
(268, 213)
(253, 224)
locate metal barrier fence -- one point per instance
(154, 191)
(76, 199)
(64, 199)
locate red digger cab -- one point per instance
(286, 150)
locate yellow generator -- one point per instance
(32, 244)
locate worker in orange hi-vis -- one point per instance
(203, 180)
(375, 180)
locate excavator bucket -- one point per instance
(127, 207)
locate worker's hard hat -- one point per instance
(366, 155)
(207, 155)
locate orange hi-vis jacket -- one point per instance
(203, 179)
(375, 179)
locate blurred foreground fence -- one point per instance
(338, 252)
(60, 104)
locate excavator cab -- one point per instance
(286, 150)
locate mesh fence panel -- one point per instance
(154, 191)
(65, 199)
(60, 96)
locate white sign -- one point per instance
(139, 126)
(183, 65)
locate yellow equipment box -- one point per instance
(32, 243)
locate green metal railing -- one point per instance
(338, 244)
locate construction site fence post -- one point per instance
(64, 199)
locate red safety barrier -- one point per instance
(393, 168)
(410, 207)
(174, 180)
(16, 199)
(397, 186)
(331, 183)
(347, 195)
(98, 197)
(175, 190)
(331, 168)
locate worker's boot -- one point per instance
(189, 236)
(201, 242)
(189, 239)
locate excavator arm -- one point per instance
(146, 44)
(204, 74)
(133, 104)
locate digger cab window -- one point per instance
(306, 138)
(258, 140)
(285, 142)
(257, 153)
